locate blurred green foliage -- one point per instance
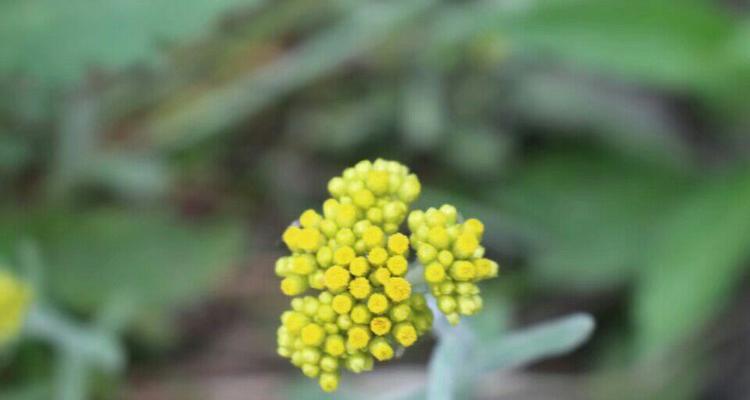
(603, 142)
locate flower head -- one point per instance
(14, 302)
(351, 254)
(453, 258)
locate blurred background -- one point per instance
(154, 151)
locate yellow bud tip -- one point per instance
(380, 325)
(397, 265)
(438, 237)
(303, 264)
(329, 382)
(346, 215)
(465, 244)
(398, 289)
(293, 285)
(344, 255)
(294, 321)
(336, 278)
(310, 219)
(378, 182)
(363, 198)
(377, 303)
(434, 273)
(359, 266)
(405, 334)
(381, 350)
(342, 304)
(378, 256)
(334, 345)
(14, 301)
(360, 288)
(475, 226)
(358, 337)
(291, 237)
(312, 335)
(398, 243)
(463, 270)
(372, 236)
(381, 275)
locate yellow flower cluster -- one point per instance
(453, 259)
(354, 255)
(321, 335)
(14, 302)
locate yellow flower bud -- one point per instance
(328, 227)
(398, 289)
(329, 364)
(294, 321)
(380, 325)
(293, 285)
(486, 268)
(465, 245)
(360, 314)
(400, 312)
(346, 215)
(378, 182)
(397, 265)
(463, 270)
(310, 370)
(312, 334)
(310, 219)
(381, 275)
(447, 304)
(336, 278)
(345, 237)
(475, 226)
(342, 303)
(360, 288)
(410, 189)
(377, 303)
(326, 313)
(377, 256)
(363, 198)
(358, 337)
(426, 253)
(324, 256)
(438, 237)
(343, 255)
(375, 215)
(405, 334)
(336, 186)
(398, 244)
(434, 273)
(291, 237)
(381, 350)
(329, 382)
(359, 266)
(334, 345)
(445, 257)
(303, 264)
(373, 236)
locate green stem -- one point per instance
(93, 346)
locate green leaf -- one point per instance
(586, 214)
(695, 262)
(549, 339)
(219, 108)
(459, 358)
(648, 40)
(155, 260)
(56, 42)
